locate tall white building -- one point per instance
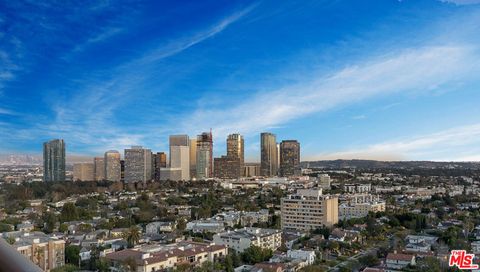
(138, 164)
(180, 158)
(308, 209)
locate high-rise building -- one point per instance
(205, 155)
(289, 158)
(83, 171)
(177, 140)
(122, 170)
(268, 156)
(251, 170)
(180, 154)
(138, 164)
(54, 160)
(231, 165)
(236, 148)
(159, 161)
(112, 165)
(227, 167)
(308, 209)
(180, 158)
(99, 164)
(193, 158)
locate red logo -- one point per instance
(462, 260)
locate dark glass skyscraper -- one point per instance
(54, 160)
(205, 155)
(289, 158)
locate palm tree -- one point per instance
(39, 255)
(132, 236)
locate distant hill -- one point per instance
(371, 164)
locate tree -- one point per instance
(65, 268)
(39, 255)
(72, 254)
(369, 260)
(49, 220)
(10, 240)
(69, 212)
(255, 254)
(181, 224)
(132, 236)
(236, 258)
(130, 264)
(229, 263)
(63, 228)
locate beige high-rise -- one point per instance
(112, 165)
(83, 171)
(193, 158)
(309, 209)
(99, 164)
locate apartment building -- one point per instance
(308, 209)
(45, 251)
(164, 257)
(241, 239)
(359, 206)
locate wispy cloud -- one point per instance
(184, 43)
(105, 34)
(418, 70)
(451, 144)
(83, 117)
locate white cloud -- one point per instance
(451, 144)
(415, 70)
(82, 118)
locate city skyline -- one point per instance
(391, 81)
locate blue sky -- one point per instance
(378, 79)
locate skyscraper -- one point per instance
(180, 158)
(236, 147)
(99, 164)
(112, 165)
(160, 161)
(289, 158)
(268, 156)
(227, 167)
(83, 171)
(138, 164)
(177, 140)
(231, 165)
(205, 155)
(180, 154)
(193, 158)
(54, 160)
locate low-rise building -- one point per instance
(306, 255)
(162, 257)
(241, 239)
(359, 206)
(158, 227)
(399, 261)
